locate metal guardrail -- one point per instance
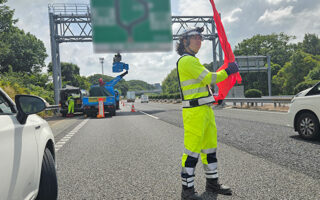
(52, 107)
(254, 101)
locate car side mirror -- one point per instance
(27, 105)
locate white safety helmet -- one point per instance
(192, 31)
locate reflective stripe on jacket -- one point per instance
(194, 78)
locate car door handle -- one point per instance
(37, 127)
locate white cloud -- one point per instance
(230, 18)
(304, 22)
(275, 2)
(192, 7)
(276, 16)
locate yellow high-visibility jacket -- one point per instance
(194, 78)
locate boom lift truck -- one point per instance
(117, 67)
(106, 91)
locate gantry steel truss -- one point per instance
(72, 23)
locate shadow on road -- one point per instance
(128, 113)
(150, 112)
(312, 141)
(209, 196)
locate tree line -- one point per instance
(294, 66)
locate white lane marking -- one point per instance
(67, 137)
(149, 115)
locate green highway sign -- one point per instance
(131, 25)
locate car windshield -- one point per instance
(315, 90)
(4, 106)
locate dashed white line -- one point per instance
(67, 137)
(149, 115)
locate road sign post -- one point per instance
(131, 25)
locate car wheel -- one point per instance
(48, 188)
(308, 126)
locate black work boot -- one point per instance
(189, 194)
(213, 185)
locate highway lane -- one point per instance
(261, 133)
(136, 156)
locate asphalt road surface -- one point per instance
(136, 155)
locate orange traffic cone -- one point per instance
(101, 109)
(132, 108)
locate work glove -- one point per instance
(232, 68)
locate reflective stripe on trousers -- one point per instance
(200, 139)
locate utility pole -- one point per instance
(101, 61)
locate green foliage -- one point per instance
(310, 44)
(6, 17)
(314, 74)
(71, 75)
(24, 79)
(68, 70)
(94, 79)
(170, 84)
(252, 93)
(255, 80)
(136, 85)
(305, 85)
(295, 71)
(79, 81)
(276, 45)
(24, 52)
(23, 83)
(123, 87)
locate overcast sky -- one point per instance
(241, 18)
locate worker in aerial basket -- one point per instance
(101, 83)
(200, 132)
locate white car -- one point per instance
(144, 99)
(304, 112)
(27, 153)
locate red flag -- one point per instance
(227, 84)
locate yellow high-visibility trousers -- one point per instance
(200, 138)
(71, 106)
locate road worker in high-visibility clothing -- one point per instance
(200, 132)
(70, 101)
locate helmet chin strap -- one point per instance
(190, 51)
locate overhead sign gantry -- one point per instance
(72, 23)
